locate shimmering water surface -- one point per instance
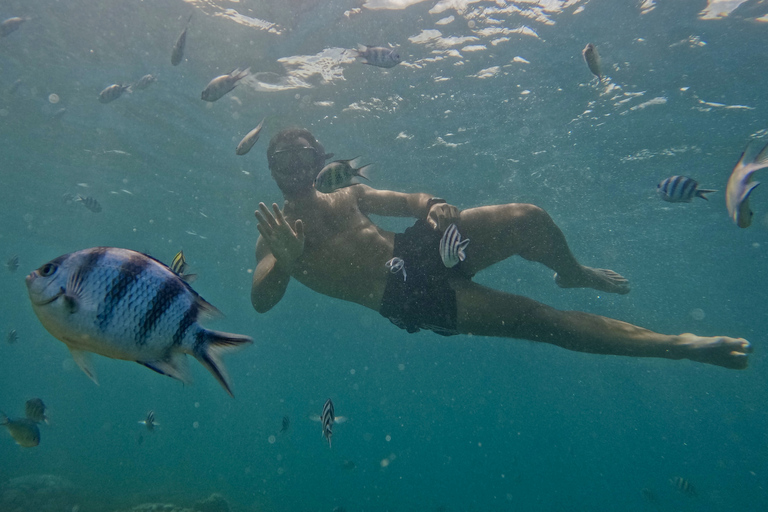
(492, 103)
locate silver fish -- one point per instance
(34, 409)
(12, 264)
(221, 85)
(12, 337)
(395, 265)
(149, 422)
(326, 420)
(740, 186)
(378, 56)
(10, 25)
(90, 203)
(23, 430)
(179, 266)
(249, 140)
(681, 189)
(144, 82)
(452, 246)
(339, 174)
(592, 58)
(126, 305)
(178, 49)
(113, 92)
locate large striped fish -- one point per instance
(126, 305)
(452, 247)
(681, 189)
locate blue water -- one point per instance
(460, 423)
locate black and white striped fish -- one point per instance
(126, 305)
(13, 263)
(452, 247)
(34, 409)
(326, 420)
(379, 56)
(683, 486)
(113, 92)
(339, 174)
(149, 422)
(681, 189)
(90, 203)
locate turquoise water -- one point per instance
(480, 113)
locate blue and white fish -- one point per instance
(681, 189)
(221, 85)
(379, 56)
(23, 430)
(326, 419)
(113, 92)
(740, 186)
(150, 422)
(452, 247)
(395, 265)
(339, 174)
(126, 305)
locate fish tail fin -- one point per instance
(211, 345)
(762, 158)
(702, 191)
(362, 172)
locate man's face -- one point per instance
(295, 165)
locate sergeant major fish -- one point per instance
(178, 49)
(13, 263)
(378, 56)
(34, 409)
(740, 186)
(339, 174)
(683, 486)
(23, 430)
(285, 425)
(10, 25)
(221, 85)
(681, 189)
(326, 420)
(452, 247)
(144, 82)
(90, 203)
(249, 140)
(592, 58)
(113, 92)
(179, 266)
(126, 305)
(149, 422)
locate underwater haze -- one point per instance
(492, 103)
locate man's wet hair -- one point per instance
(288, 136)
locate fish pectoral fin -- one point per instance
(314, 417)
(83, 360)
(175, 365)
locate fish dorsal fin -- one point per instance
(83, 360)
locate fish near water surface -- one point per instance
(592, 58)
(740, 186)
(379, 56)
(177, 54)
(10, 25)
(339, 174)
(114, 91)
(126, 305)
(249, 140)
(221, 85)
(681, 189)
(23, 430)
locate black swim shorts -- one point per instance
(424, 299)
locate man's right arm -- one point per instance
(269, 279)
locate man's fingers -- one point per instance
(299, 228)
(278, 214)
(267, 215)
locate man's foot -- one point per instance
(598, 278)
(718, 350)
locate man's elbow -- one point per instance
(260, 305)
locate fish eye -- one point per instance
(48, 269)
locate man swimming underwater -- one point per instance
(328, 243)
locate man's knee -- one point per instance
(529, 214)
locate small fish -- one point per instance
(649, 495)
(144, 82)
(740, 186)
(286, 424)
(378, 56)
(113, 92)
(150, 422)
(592, 58)
(34, 409)
(452, 247)
(395, 265)
(24, 431)
(221, 85)
(249, 140)
(339, 174)
(179, 266)
(89, 203)
(12, 264)
(178, 49)
(12, 337)
(326, 420)
(126, 305)
(10, 25)
(681, 189)
(683, 486)
(56, 116)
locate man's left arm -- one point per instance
(398, 204)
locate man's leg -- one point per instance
(486, 312)
(500, 231)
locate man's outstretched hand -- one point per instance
(285, 242)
